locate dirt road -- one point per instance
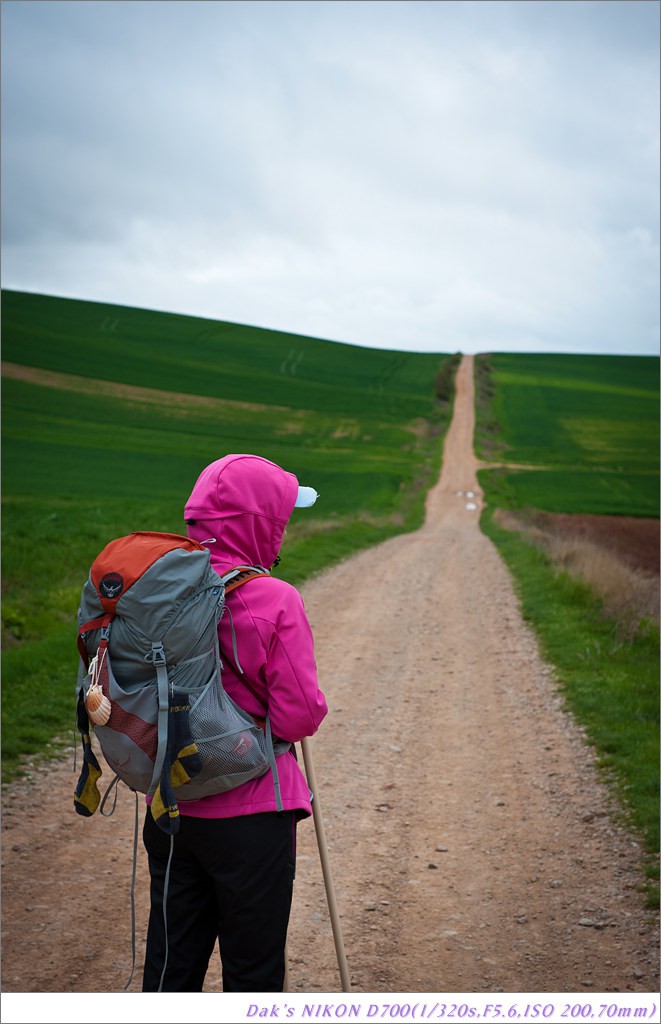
(473, 847)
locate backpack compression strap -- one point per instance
(101, 623)
(86, 795)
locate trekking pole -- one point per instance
(325, 866)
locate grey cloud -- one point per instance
(426, 175)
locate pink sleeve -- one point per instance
(296, 704)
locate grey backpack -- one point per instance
(150, 681)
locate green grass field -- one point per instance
(95, 457)
(358, 420)
(590, 423)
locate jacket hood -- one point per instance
(244, 503)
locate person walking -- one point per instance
(233, 861)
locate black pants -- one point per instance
(231, 879)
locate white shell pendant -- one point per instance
(98, 705)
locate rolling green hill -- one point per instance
(110, 414)
(356, 420)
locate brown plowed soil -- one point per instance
(473, 846)
(635, 541)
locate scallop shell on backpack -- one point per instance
(98, 705)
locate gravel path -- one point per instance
(472, 844)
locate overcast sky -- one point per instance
(434, 176)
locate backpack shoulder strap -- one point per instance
(242, 574)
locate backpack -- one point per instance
(150, 678)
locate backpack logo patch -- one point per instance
(242, 746)
(111, 585)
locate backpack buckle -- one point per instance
(157, 655)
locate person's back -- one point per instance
(232, 868)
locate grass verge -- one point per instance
(609, 680)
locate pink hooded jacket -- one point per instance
(240, 507)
